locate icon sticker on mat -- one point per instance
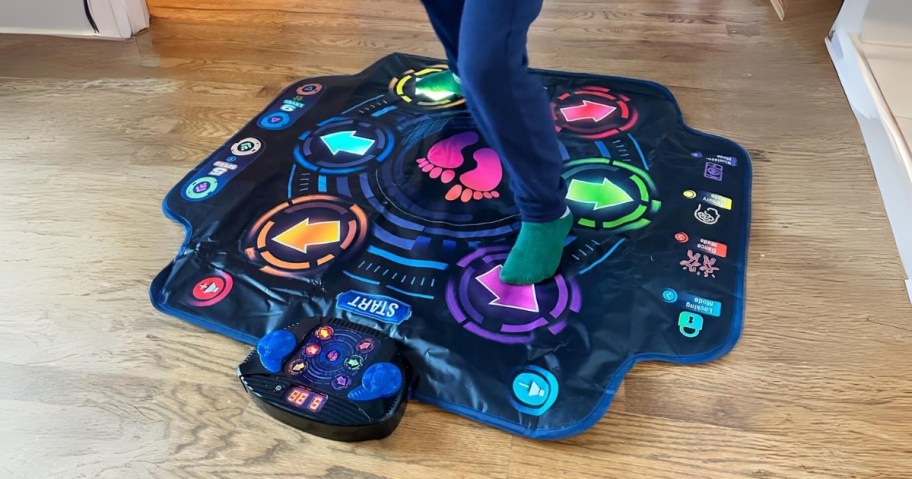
(690, 324)
(247, 146)
(211, 290)
(709, 216)
(707, 268)
(534, 390)
(713, 171)
(201, 188)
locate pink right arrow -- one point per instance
(588, 110)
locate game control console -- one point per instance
(330, 378)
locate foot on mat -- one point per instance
(537, 252)
(440, 84)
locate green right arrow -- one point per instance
(602, 194)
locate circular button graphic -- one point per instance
(681, 237)
(354, 362)
(275, 121)
(323, 333)
(332, 355)
(610, 195)
(341, 382)
(669, 295)
(309, 89)
(342, 147)
(445, 184)
(405, 88)
(593, 112)
(247, 146)
(534, 390)
(531, 389)
(367, 345)
(506, 313)
(201, 188)
(305, 233)
(211, 290)
(311, 350)
(333, 359)
(297, 367)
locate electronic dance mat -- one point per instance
(358, 198)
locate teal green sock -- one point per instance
(537, 252)
(439, 85)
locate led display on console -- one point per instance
(303, 398)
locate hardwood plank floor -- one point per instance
(98, 384)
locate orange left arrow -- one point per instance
(305, 234)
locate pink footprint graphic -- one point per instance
(480, 182)
(446, 156)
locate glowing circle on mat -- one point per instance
(505, 313)
(247, 146)
(305, 233)
(343, 146)
(275, 121)
(609, 195)
(404, 88)
(201, 187)
(309, 89)
(593, 112)
(449, 184)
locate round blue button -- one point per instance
(274, 348)
(275, 121)
(380, 380)
(531, 389)
(534, 390)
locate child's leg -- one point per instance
(446, 18)
(513, 112)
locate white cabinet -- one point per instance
(111, 18)
(871, 47)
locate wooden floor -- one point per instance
(98, 384)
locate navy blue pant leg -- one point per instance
(446, 17)
(509, 104)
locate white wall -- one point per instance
(887, 22)
(114, 18)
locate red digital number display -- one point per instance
(305, 398)
(297, 396)
(316, 403)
